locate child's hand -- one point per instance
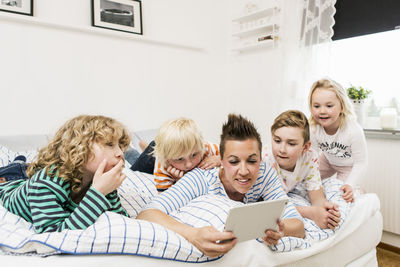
(333, 219)
(334, 214)
(106, 182)
(175, 173)
(347, 193)
(272, 237)
(326, 215)
(210, 162)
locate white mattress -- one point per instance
(353, 245)
(349, 250)
(367, 260)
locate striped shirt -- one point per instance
(46, 202)
(163, 178)
(200, 182)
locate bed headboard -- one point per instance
(35, 141)
(23, 142)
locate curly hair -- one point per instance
(71, 147)
(240, 129)
(292, 118)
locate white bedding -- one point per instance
(116, 234)
(359, 235)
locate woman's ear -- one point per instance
(306, 146)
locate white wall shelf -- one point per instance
(253, 46)
(253, 30)
(265, 12)
(29, 21)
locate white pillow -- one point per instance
(7, 155)
(136, 191)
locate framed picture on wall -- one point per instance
(24, 7)
(119, 15)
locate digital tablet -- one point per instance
(251, 220)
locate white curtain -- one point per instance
(306, 34)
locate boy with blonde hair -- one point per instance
(296, 163)
(179, 148)
(74, 179)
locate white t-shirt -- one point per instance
(347, 147)
(305, 172)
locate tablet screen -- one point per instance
(251, 220)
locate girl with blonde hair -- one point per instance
(73, 180)
(336, 135)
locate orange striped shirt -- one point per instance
(164, 180)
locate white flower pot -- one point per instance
(359, 109)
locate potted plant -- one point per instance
(357, 94)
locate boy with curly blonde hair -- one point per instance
(73, 180)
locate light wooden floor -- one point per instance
(387, 258)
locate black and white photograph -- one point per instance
(24, 7)
(120, 15)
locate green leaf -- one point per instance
(357, 93)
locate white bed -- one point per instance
(353, 245)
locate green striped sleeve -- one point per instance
(47, 211)
(50, 205)
(47, 203)
(95, 201)
(115, 202)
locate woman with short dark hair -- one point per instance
(242, 177)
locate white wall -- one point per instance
(383, 178)
(49, 74)
(254, 77)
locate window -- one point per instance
(371, 61)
